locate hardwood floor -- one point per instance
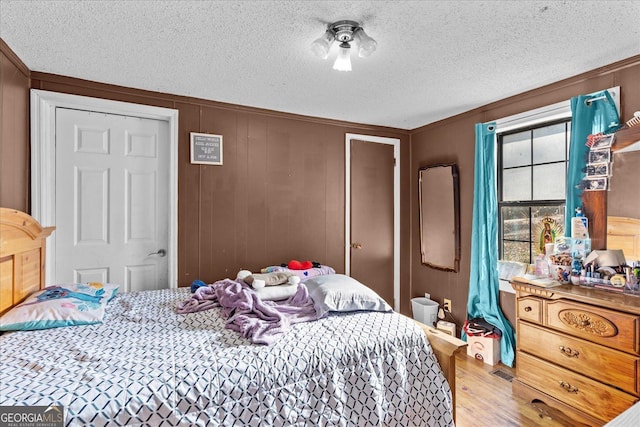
(485, 399)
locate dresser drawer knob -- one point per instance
(569, 352)
(527, 309)
(568, 387)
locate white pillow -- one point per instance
(276, 293)
(60, 305)
(337, 292)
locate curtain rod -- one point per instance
(589, 101)
(559, 110)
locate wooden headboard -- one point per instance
(624, 233)
(22, 254)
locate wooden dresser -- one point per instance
(578, 350)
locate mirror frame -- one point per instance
(454, 225)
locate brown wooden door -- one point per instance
(372, 166)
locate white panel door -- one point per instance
(111, 199)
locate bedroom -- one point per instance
(267, 199)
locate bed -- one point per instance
(144, 364)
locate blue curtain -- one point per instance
(587, 117)
(483, 281)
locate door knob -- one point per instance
(356, 246)
(160, 253)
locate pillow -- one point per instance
(60, 305)
(337, 292)
(303, 274)
(276, 293)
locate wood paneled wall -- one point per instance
(453, 140)
(14, 131)
(279, 195)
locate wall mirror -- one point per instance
(623, 203)
(439, 216)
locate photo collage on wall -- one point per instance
(598, 169)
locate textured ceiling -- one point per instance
(434, 58)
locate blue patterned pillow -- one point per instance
(60, 305)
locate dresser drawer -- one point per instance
(530, 309)
(584, 394)
(607, 327)
(610, 366)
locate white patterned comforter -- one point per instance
(147, 365)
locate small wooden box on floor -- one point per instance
(484, 348)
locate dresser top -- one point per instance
(600, 297)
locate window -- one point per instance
(532, 171)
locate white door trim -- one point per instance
(43, 167)
(396, 207)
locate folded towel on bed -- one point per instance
(263, 322)
(276, 293)
(270, 279)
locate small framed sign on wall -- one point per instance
(206, 149)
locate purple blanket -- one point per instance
(263, 322)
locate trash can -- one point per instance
(425, 310)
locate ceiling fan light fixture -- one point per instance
(366, 45)
(343, 61)
(320, 47)
(344, 32)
